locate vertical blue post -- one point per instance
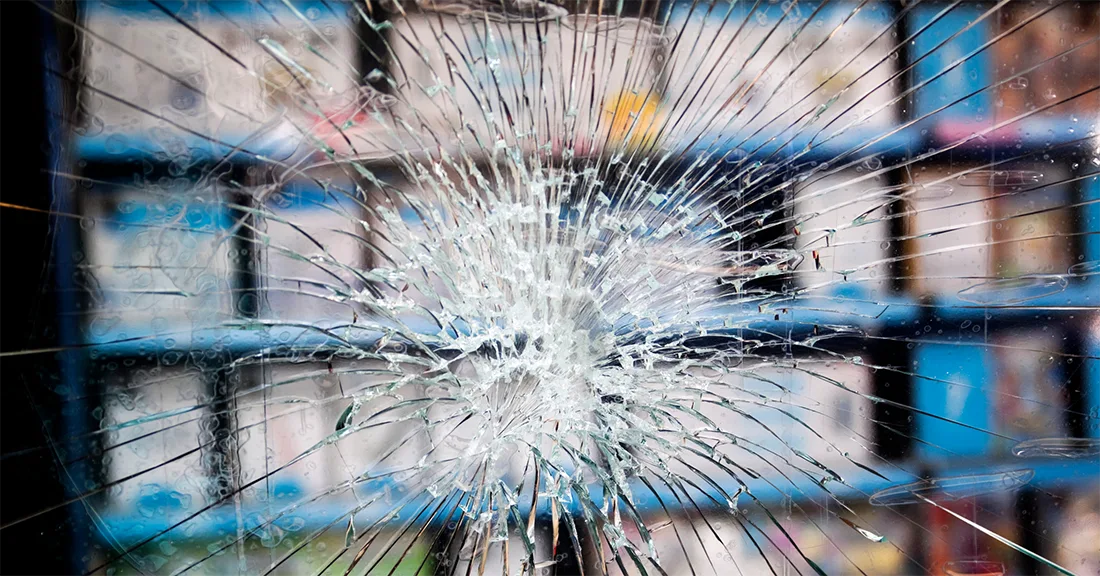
(66, 242)
(1090, 228)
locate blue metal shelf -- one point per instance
(791, 318)
(155, 514)
(121, 148)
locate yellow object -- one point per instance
(635, 119)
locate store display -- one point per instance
(1042, 67)
(949, 209)
(306, 219)
(843, 229)
(1030, 387)
(339, 263)
(155, 88)
(796, 73)
(157, 262)
(603, 99)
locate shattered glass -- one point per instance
(573, 287)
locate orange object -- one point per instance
(635, 119)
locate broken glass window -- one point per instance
(563, 287)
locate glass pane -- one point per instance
(555, 287)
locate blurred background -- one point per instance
(959, 137)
